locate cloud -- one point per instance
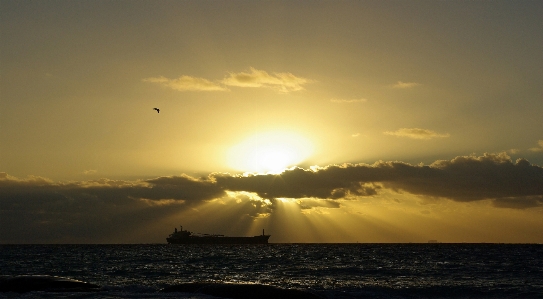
(344, 101)
(90, 171)
(186, 83)
(519, 202)
(283, 82)
(465, 178)
(538, 149)
(416, 133)
(40, 190)
(41, 210)
(492, 176)
(44, 211)
(401, 84)
(31, 180)
(311, 203)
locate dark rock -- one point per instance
(29, 283)
(240, 291)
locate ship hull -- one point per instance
(219, 240)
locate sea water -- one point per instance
(327, 270)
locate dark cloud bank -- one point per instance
(97, 205)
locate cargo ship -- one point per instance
(186, 237)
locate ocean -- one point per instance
(320, 270)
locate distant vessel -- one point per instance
(186, 237)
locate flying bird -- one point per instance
(157, 110)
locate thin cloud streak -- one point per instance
(401, 84)
(416, 133)
(344, 101)
(186, 83)
(283, 82)
(538, 149)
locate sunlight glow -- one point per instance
(269, 152)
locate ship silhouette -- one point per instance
(187, 237)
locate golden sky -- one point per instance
(319, 121)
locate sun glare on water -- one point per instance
(269, 152)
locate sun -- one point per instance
(269, 152)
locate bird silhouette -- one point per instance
(157, 110)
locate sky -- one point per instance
(318, 121)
